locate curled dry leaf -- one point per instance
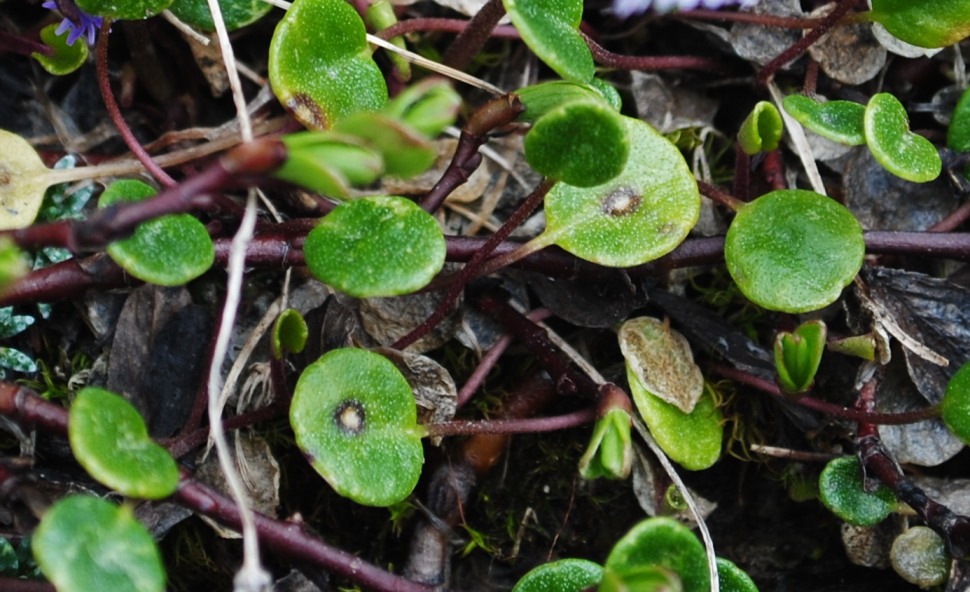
(662, 361)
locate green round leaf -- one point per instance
(22, 182)
(551, 29)
(289, 333)
(641, 214)
(545, 97)
(902, 152)
(168, 251)
(595, 149)
(958, 134)
(354, 416)
(761, 130)
(131, 10)
(236, 13)
(320, 65)
(732, 578)
(841, 491)
(924, 23)
(839, 121)
(376, 246)
(565, 575)
(86, 544)
(691, 439)
(665, 543)
(919, 556)
(66, 58)
(110, 440)
(794, 250)
(955, 406)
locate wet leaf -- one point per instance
(376, 246)
(902, 152)
(551, 29)
(919, 556)
(840, 489)
(86, 544)
(565, 575)
(662, 361)
(110, 440)
(320, 65)
(167, 251)
(793, 250)
(663, 543)
(354, 416)
(235, 13)
(22, 182)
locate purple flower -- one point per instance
(626, 8)
(79, 23)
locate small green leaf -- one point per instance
(169, 251)
(16, 360)
(236, 13)
(328, 163)
(289, 333)
(66, 58)
(428, 106)
(732, 578)
(638, 216)
(131, 10)
(376, 246)
(110, 440)
(551, 29)
(565, 575)
(379, 16)
(903, 153)
(405, 152)
(22, 182)
(958, 134)
(693, 439)
(955, 406)
(642, 578)
(840, 489)
(798, 354)
(663, 543)
(13, 262)
(761, 130)
(540, 99)
(354, 417)
(86, 544)
(581, 143)
(794, 250)
(924, 23)
(662, 361)
(919, 556)
(610, 450)
(320, 65)
(839, 121)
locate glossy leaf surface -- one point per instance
(320, 66)
(565, 575)
(236, 13)
(664, 543)
(354, 417)
(22, 182)
(794, 250)
(86, 544)
(638, 216)
(551, 29)
(376, 246)
(110, 440)
(840, 489)
(168, 251)
(839, 121)
(924, 23)
(902, 152)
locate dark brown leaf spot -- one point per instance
(307, 111)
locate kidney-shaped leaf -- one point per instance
(168, 251)
(124, 9)
(662, 361)
(565, 575)
(22, 182)
(761, 130)
(664, 543)
(66, 58)
(841, 490)
(794, 250)
(926, 23)
(839, 121)
(639, 215)
(87, 544)
(110, 440)
(320, 66)
(551, 29)
(236, 13)
(354, 417)
(376, 246)
(583, 143)
(903, 153)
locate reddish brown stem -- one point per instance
(470, 41)
(513, 426)
(445, 25)
(766, 20)
(609, 59)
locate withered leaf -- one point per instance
(661, 359)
